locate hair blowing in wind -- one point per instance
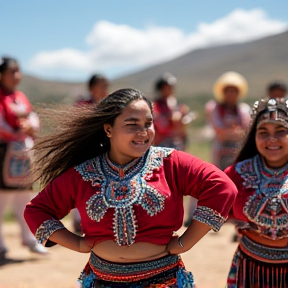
(80, 134)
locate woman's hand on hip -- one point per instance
(173, 246)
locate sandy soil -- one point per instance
(209, 261)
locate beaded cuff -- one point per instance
(46, 229)
(210, 217)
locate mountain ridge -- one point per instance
(259, 61)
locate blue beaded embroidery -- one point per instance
(210, 217)
(267, 209)
(122, 192)
(46, 229)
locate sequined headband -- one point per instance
(272, 111)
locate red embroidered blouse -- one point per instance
(262, 201)
(141, 202)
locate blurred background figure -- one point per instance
(277, 89)
(98, 89)
(228, 118)
(18, 124)
(170, 117)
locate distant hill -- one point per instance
(259, 61)
(39, 90)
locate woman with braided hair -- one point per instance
(129, 195)
(261, 206)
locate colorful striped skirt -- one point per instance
(168, 271)
(258, 266)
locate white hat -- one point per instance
(230, 79)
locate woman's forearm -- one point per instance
(71, 241)
(194, 233)
(188, 239)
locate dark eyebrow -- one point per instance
(262, 128)
(132, 119)
(280, 126)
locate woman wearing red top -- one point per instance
(170, 117)
(228, 118)
(18, 125)
(129, 195)
(261, 206)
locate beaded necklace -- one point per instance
(120, 169)
(122, 190)
(267, 208)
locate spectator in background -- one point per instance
(277, 90)
(170, 121)
(170, 117)
(18, 124)
(228, 118)
(98, 88)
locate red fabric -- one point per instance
(85, 101)
(222, 110)
(7, 100)
(242, 197)
(162, 121)
(181, 174)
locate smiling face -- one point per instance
(272, 143)
(132, 132)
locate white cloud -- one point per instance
(121, 47)
(64, 58)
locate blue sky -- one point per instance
(70, 39)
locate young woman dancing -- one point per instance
(129, 195)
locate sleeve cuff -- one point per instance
(46, 229)
(210, 217)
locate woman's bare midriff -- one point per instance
(256, 237)
(137, 252)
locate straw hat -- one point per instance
(230, 79)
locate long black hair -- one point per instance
(249, 148)
(80, 136)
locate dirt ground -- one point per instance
(209, 261)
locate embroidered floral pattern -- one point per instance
(46, 229)
(123, 187)
(267, 208)
(210, 217)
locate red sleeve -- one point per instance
(236, 178)
(53, 203)
(214, 190)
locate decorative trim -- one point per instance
(46, 229)
(247, 172)
(267, 207)
(121, 188)
(264, 253)
(210, 217)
